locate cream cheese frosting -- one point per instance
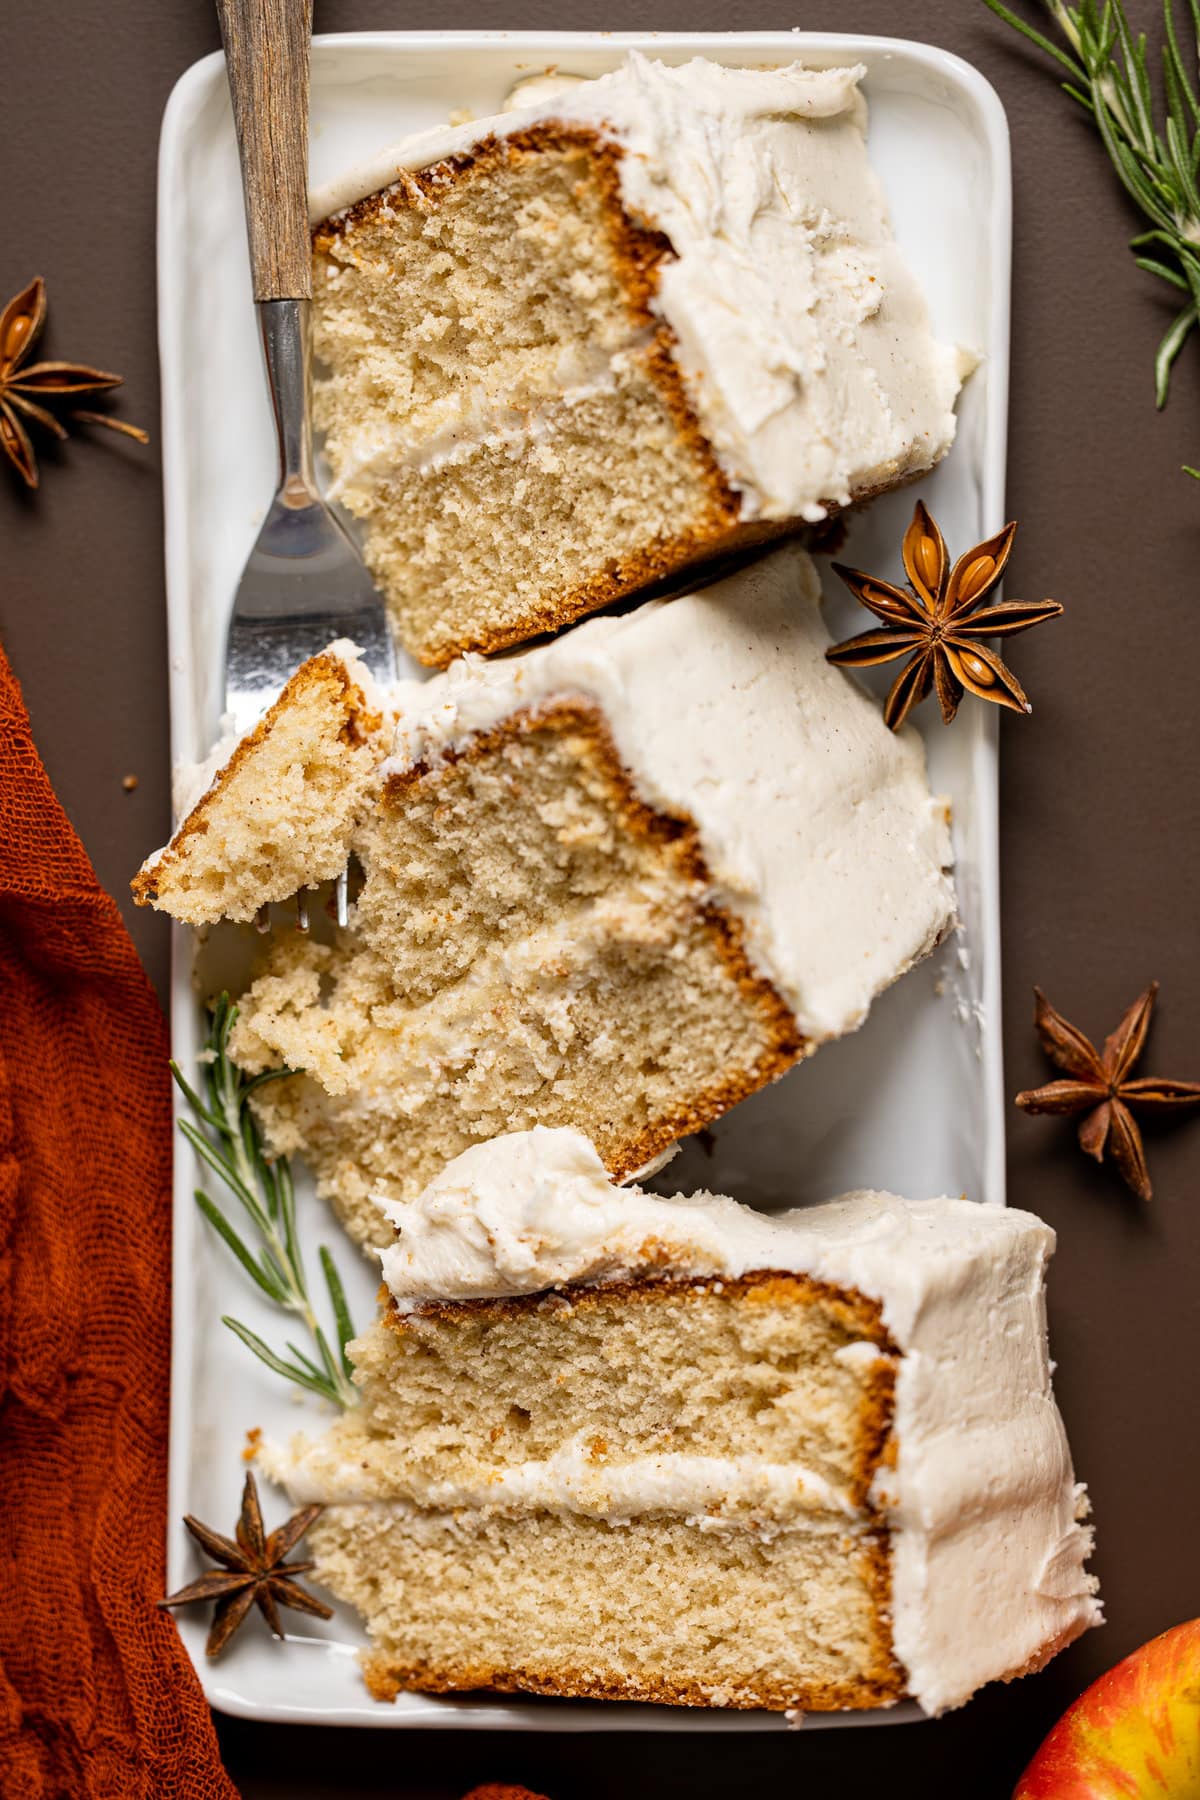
(803, 339)
(985, 1516)
(816, 822)
(714, 1493)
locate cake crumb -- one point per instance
(253, 1441)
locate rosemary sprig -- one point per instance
(1153, 142)
(226, 1137)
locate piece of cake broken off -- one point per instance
(622, 1447)
(570, 350)
(617, 882)
(274, 811)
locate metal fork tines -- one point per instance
(341, 906)
(305, 583)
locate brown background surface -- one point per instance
(1101, 855)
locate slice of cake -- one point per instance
(571, 349)
(619, 882)
(273, 812)
(617, 1446)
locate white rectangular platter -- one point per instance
(913, 1101)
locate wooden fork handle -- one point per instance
(266, 52)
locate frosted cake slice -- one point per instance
(622, 1447)
(571, 349)
(617, 882)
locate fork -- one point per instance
(305, 582)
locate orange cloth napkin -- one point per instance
(97, 1697)
(500, 1790)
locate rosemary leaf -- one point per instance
(341, 1311)
(224, 1229)
(334, 1373)
(1152, 267)
(191, 1096)
(250, 1148)
(307, 1362)
(1169, 349)
(1152, 139)
(224, 1168)
(225, 1136)
(293, 1371)
(270, 1182)
(269, 1263)
(1180, 92)
(1035, 37)
(287, 1215)
(1181, 162)
(1130, 172)
(250, 1082)
(1137, 85)
(1190, 264)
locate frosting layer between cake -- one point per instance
(714, 1493)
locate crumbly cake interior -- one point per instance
(746, 1367)
(776, 1598)
(531, 945)
(500, 406)
(280, 815)
(657, 1609)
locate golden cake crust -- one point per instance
(385, 1678)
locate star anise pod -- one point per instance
(25, 387)
(1100, 1086)
(936, 625)
(252, 1573)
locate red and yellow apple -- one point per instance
(1133, 1735)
